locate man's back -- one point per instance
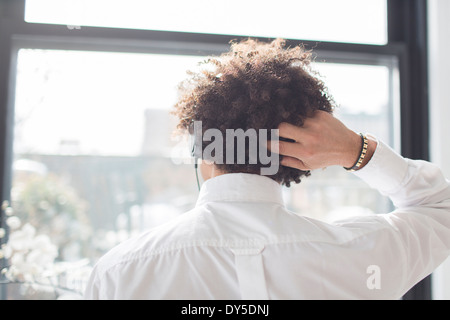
(240, 242)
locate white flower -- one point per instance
(42, 242)
(5, 204)
(40, 258)
(10, 273)
(29, 230)
(13, 222)
(31, 259)
(7, 251)
(18, 259)
(29, 255)
(9, 211)
(19, 241)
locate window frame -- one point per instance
(407, 47)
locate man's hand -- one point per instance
(321, 142)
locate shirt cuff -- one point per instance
(385, 171)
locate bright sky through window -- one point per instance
(352, 21)
(100, 98)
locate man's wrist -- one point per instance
(361, 155)
(371, 147)
(361, 151)
(352, 151)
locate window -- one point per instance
(93, 147)
(95, 102)
(93, 154)
(87, 153)
(327, 20)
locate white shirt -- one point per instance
(240, 242)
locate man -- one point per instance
(240, 241)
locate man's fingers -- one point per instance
(284, 148)
(294, 163)
(287, 130)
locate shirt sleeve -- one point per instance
(420, 222)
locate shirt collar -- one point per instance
(242, 187)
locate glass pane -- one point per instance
(92, 149)
(352, 21)
(94, 160)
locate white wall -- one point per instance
(439, 66)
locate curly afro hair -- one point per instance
(255, 85)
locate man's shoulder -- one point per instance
(151, 243)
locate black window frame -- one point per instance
(407, 43)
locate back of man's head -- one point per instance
(254, 86)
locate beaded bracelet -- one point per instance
(357, 165)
